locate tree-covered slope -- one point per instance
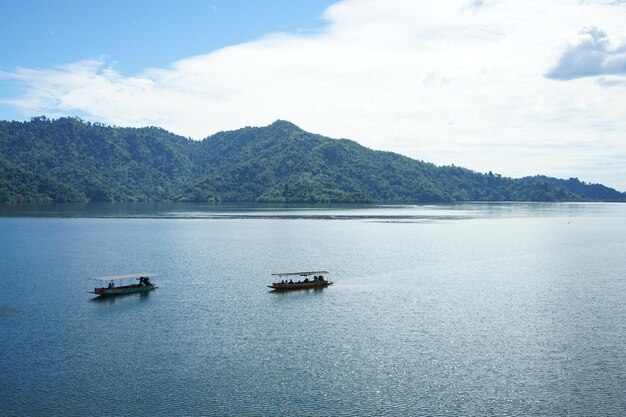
(19, 186)
(105, 163)
(281, 162)
(69, 160)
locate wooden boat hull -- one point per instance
(128, 289)
(300, 285)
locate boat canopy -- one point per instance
(302, 274)
(126, 276)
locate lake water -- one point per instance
(469, 309)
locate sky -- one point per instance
(510, 86)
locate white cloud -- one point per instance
(449, 82)
(592, 55)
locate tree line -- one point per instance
(71, 160)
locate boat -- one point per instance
(306, 280)
(110, 284)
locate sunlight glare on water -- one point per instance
(469, 309)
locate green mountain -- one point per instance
(68, 159)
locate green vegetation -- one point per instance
(19, 186)
(68, 160)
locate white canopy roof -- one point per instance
(286, 274)
(126, 276)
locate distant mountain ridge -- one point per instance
(69, 160)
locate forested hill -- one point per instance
(67, 160)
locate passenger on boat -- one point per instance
(291, 281)
(111, 284)
(306, 279)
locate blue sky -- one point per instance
(137, 34)
(518, 88)
(141, 33)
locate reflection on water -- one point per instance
(121, 298)
(297, 292)
(6, 312)
(381, 213)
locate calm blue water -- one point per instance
(473, 309)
